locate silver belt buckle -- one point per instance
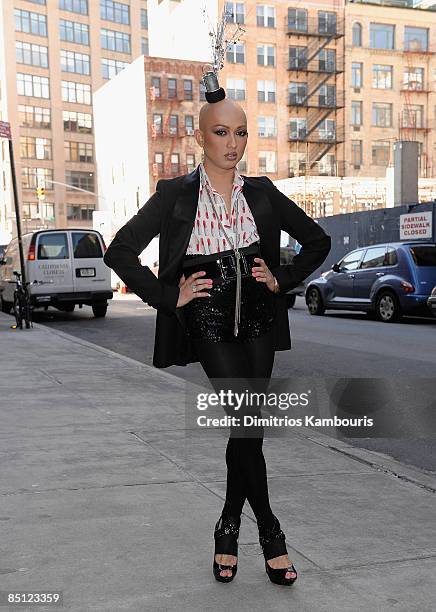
(224, 266)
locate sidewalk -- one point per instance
(105, 497)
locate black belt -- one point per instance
(222, 265)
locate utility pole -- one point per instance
(5, 132)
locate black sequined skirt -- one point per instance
(213, 318)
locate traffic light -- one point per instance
(40, 193)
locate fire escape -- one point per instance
(316, 90)
(167, 136)
(413, 119)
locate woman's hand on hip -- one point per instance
(263, 274)
(192, 287)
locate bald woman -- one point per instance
(229, 318)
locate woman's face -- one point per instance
(223, 134)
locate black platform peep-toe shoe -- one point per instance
(226, 543)
(273, 545)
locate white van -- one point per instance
(69, 265)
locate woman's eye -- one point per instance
(240, 133)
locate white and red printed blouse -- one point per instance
(207, 236)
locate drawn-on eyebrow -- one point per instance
(222, 124)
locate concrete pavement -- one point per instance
(107, 496)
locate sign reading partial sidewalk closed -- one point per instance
(416, 225)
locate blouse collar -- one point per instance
(238, 181)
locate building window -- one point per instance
(415, 39)
(77, 122)
(111, 67)
(381, 36)
(159, 162)
(172, 88)
(236, 89)
(42, 2)
(266, 91)
(413, 78)
(327, 129)
(382, 114)
(356, 152)
(30, 54)
(83, 180)
(266, 127)
(144, 19)
(190, 162)
(33, 85)
(31, 178)
(74, 6)
(298, 57)
(115, 41)
(44, 211)
(188, 89)
(381, 76)
(79, 93)
(356, 112)
(267, 161)
(202, 90)
(189, 125)
(326, 22)
(78, 151)
(327, 95)
(144, 46)
(174, 125)
(265, 16)
(327, 60)
(157, 123)
(242, 164)
(236, 53)
(356, 74)
(35, 148)
(380, 151)
(114, 11)
(34, 116)
(73, 31)
(266, 55)
(155, 83)
(413, 116)
(31, 23)
(235, 12)
(298, 128)
(357, 34)
(71, 61)
(297, 93)
(297, 19)
(80, 212)
(175, 163)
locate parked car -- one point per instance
(431, 302)
(69, 265)
(385, 280)
(287, 254)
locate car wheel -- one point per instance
(5, 306)
(387, 308)
(314, 302)
(290, 300)
(99, 310)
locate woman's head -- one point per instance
(222, 130)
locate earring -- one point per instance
(202, 155)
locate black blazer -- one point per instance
(170, 212)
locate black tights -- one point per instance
(246, 467)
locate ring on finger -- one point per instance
(193, 287)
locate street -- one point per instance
(337, 346)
